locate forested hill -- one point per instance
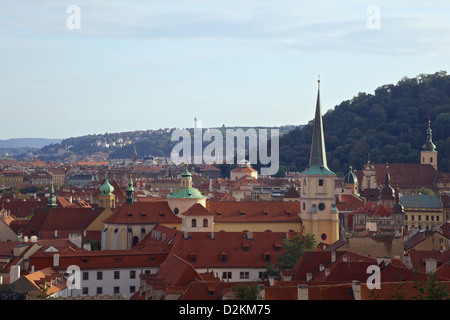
(390, 125)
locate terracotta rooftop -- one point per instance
(143, 213)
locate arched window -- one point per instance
(193, 223)
(135, 240)
(205, 223)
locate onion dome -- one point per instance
(387, 192)
(350, 177)
(429, 145)
(106, 189)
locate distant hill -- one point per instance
(27, 142)
(122, 145)
(390, 125)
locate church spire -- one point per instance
(318, 157)
(429, 145)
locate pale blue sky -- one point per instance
(138, 65)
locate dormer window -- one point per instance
(223, 256)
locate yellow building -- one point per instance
(317, 197)
(11, 178)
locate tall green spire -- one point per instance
(51, 201)
(318, 156)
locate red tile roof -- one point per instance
(143, 213)
(197, 210)
(253, 211)
(209, 249)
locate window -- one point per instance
(132, 274)
(437, 218)
(193, 223)
(412, 218)
(86, 275)
(99, 275)
(116, 290)
(132, 289)
(419, 217)
(320, 182)
(427, 218)
(304, 206)
(432, 218)
(244, 275)
(321, 206)
(99, 290)
(205, 223)
(85, 290)
(226, 275)
(116, 275)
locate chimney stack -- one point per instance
(56, 260)
(302, 292)
(356, 288)
(430, 265)
(333, 256)
(321, 267)
(309, 276)
(14, 273)
(327, 272)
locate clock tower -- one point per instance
(318, 205)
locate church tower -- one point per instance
(318, 209)
(107, 197)
(428, 155)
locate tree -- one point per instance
(294, 248)
(247, 291)
(432, 289)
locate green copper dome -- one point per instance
(186, 191)
(106, 189)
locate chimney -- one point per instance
(387, 261)
(333, 256)
(250, 235)
(212, 235)
(32, 269)
(1, 280)
(344, 258)
(33, 239)
(186, 235)
(321, 267)
(271, 281)
(309, 276)
(56, 260)
(430, 265)
(356, 288)
(56, 233)
(14, 273)
(327, 272)
(302, 292)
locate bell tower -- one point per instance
(428, 155)
(318, 205)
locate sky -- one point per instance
(76, 67)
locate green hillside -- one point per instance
(390, 125)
